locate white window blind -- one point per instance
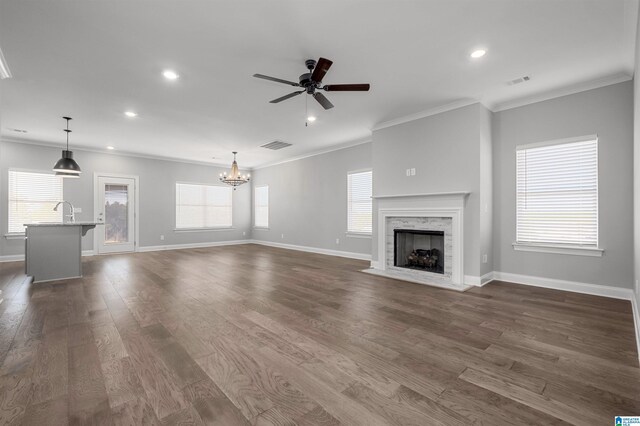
(203, 206)
(261, 207)
(32, 197)
(557, 193)
(359, 192)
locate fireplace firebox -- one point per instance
(419, 249)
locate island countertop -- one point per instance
(53, 250)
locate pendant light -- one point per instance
(67, 166)
(234, 178)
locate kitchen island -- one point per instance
(53, 250)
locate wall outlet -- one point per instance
(78, 209)
(337, 240)
(282, 236)
(161, 237)
(485, 258)
(408, 172)
(244, 233)
(413, 171)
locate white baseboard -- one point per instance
(193, 245)
(635, 304)
(478, 281)
(12, 258)
(329, 252)
(472, 280)
(348, 254)
(20, 257)
(574, 286)
(486, 278)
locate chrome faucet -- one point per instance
(72, 216)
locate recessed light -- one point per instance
(130, 114)
(110, 148)
(311, 118)
(170, 75)
(478, 53)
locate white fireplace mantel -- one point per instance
(457, 194)
(436, 205)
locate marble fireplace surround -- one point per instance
(440, 212)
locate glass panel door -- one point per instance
(116, 207)
(116, 203)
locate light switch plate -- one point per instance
(78, 209)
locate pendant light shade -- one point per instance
(68, 175)
(67, 166)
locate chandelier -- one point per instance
(234, 178)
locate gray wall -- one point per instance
(445, 150)
(308, 200)
(607, 111)
(157, 193)
(486, 190)
(636, 168)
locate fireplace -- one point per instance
(425, 216)
(418, 249)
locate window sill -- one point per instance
(559, 249)
(222, 228)
(261, 228)
(358, 234)
(15, 236)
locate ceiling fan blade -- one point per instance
(321, 69)
(285, 97)
(277, 80)
(346, 87)
(322, 100)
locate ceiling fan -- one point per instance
(311, 82)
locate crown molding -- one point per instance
(4, 67)
(314, 153)
(426, 113)
(178, 160)
(561, 91)
(118, 153)
(515, 103)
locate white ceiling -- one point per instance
(93, 60)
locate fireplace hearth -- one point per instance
(419, 250)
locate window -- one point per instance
(359, 192)
(261, 206)
(557, 193)
(32, 197)
(203, 206)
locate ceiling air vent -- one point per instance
(519, 80)
(275, 145)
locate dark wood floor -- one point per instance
(258, 335)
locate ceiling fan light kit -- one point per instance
(311, 83)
